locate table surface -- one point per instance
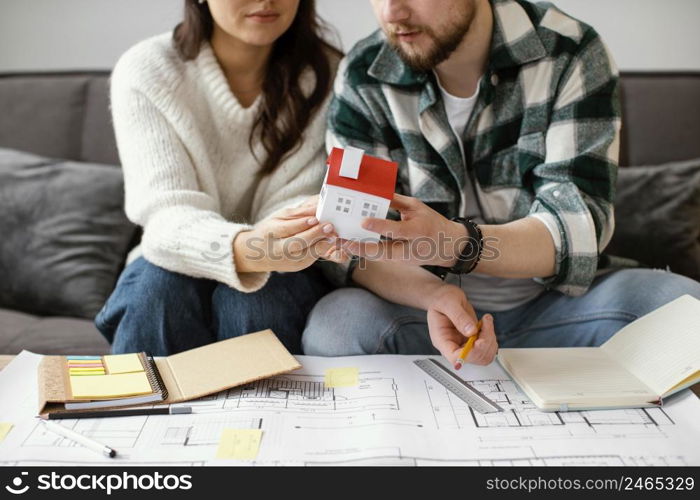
(6, 358)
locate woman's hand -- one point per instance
(452, 320)
(289, 240)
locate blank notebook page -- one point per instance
(663, 347)
(574, 375)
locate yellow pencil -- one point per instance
(468, 347)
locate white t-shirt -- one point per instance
(458, 109)
(486, 293)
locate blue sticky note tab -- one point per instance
(83, 357)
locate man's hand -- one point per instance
(422, 236)
(452, 320)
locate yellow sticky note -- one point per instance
(110, 386)
(342, 377)
(239, 444)
(123, 363)
(4, 429)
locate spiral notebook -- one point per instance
(125, 380)
(88, 382)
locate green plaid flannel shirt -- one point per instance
(542, 141)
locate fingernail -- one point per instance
(330, 240)
(328, 228)
(468, 328)
(367, 225)
(312, 220)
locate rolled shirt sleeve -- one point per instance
(574, 186)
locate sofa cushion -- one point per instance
(660, 121)
(98, 142)
(48, 335)
(43, 115)
(657, 213)
(65, 235)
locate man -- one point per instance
(504, 113)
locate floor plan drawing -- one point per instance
(124, 433)
(205, 432)
(582, 460)
(451, 413)
(307, 393)
(304, 394)
(395, 415)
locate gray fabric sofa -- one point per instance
(58, 115)
(66, 115)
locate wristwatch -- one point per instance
(471, 253)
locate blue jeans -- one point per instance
(162, 312)
(352, 321)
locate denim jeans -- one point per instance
(162, 312)
(352, 321)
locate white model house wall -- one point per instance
(345, 209)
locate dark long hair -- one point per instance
(285, 110)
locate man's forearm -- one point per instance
(520, 249)
(399, 283)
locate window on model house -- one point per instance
(343, 204)
(369, 209)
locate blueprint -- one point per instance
(396, 415)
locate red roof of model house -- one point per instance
(375, 176)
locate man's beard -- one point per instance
(443, 45)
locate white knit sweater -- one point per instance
(190, 178)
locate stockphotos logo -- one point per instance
(103, 482)
(16, 488)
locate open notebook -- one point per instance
(180, 377)
(647, 360)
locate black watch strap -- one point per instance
(471, 252)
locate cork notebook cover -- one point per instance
(190, 374)
(215, 367)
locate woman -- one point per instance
(220, 128)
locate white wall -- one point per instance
(644, 34)
(77, 34)
(87, 34)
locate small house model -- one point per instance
(356, 186)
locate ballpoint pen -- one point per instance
(80, 439)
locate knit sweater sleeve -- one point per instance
(183, 229)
